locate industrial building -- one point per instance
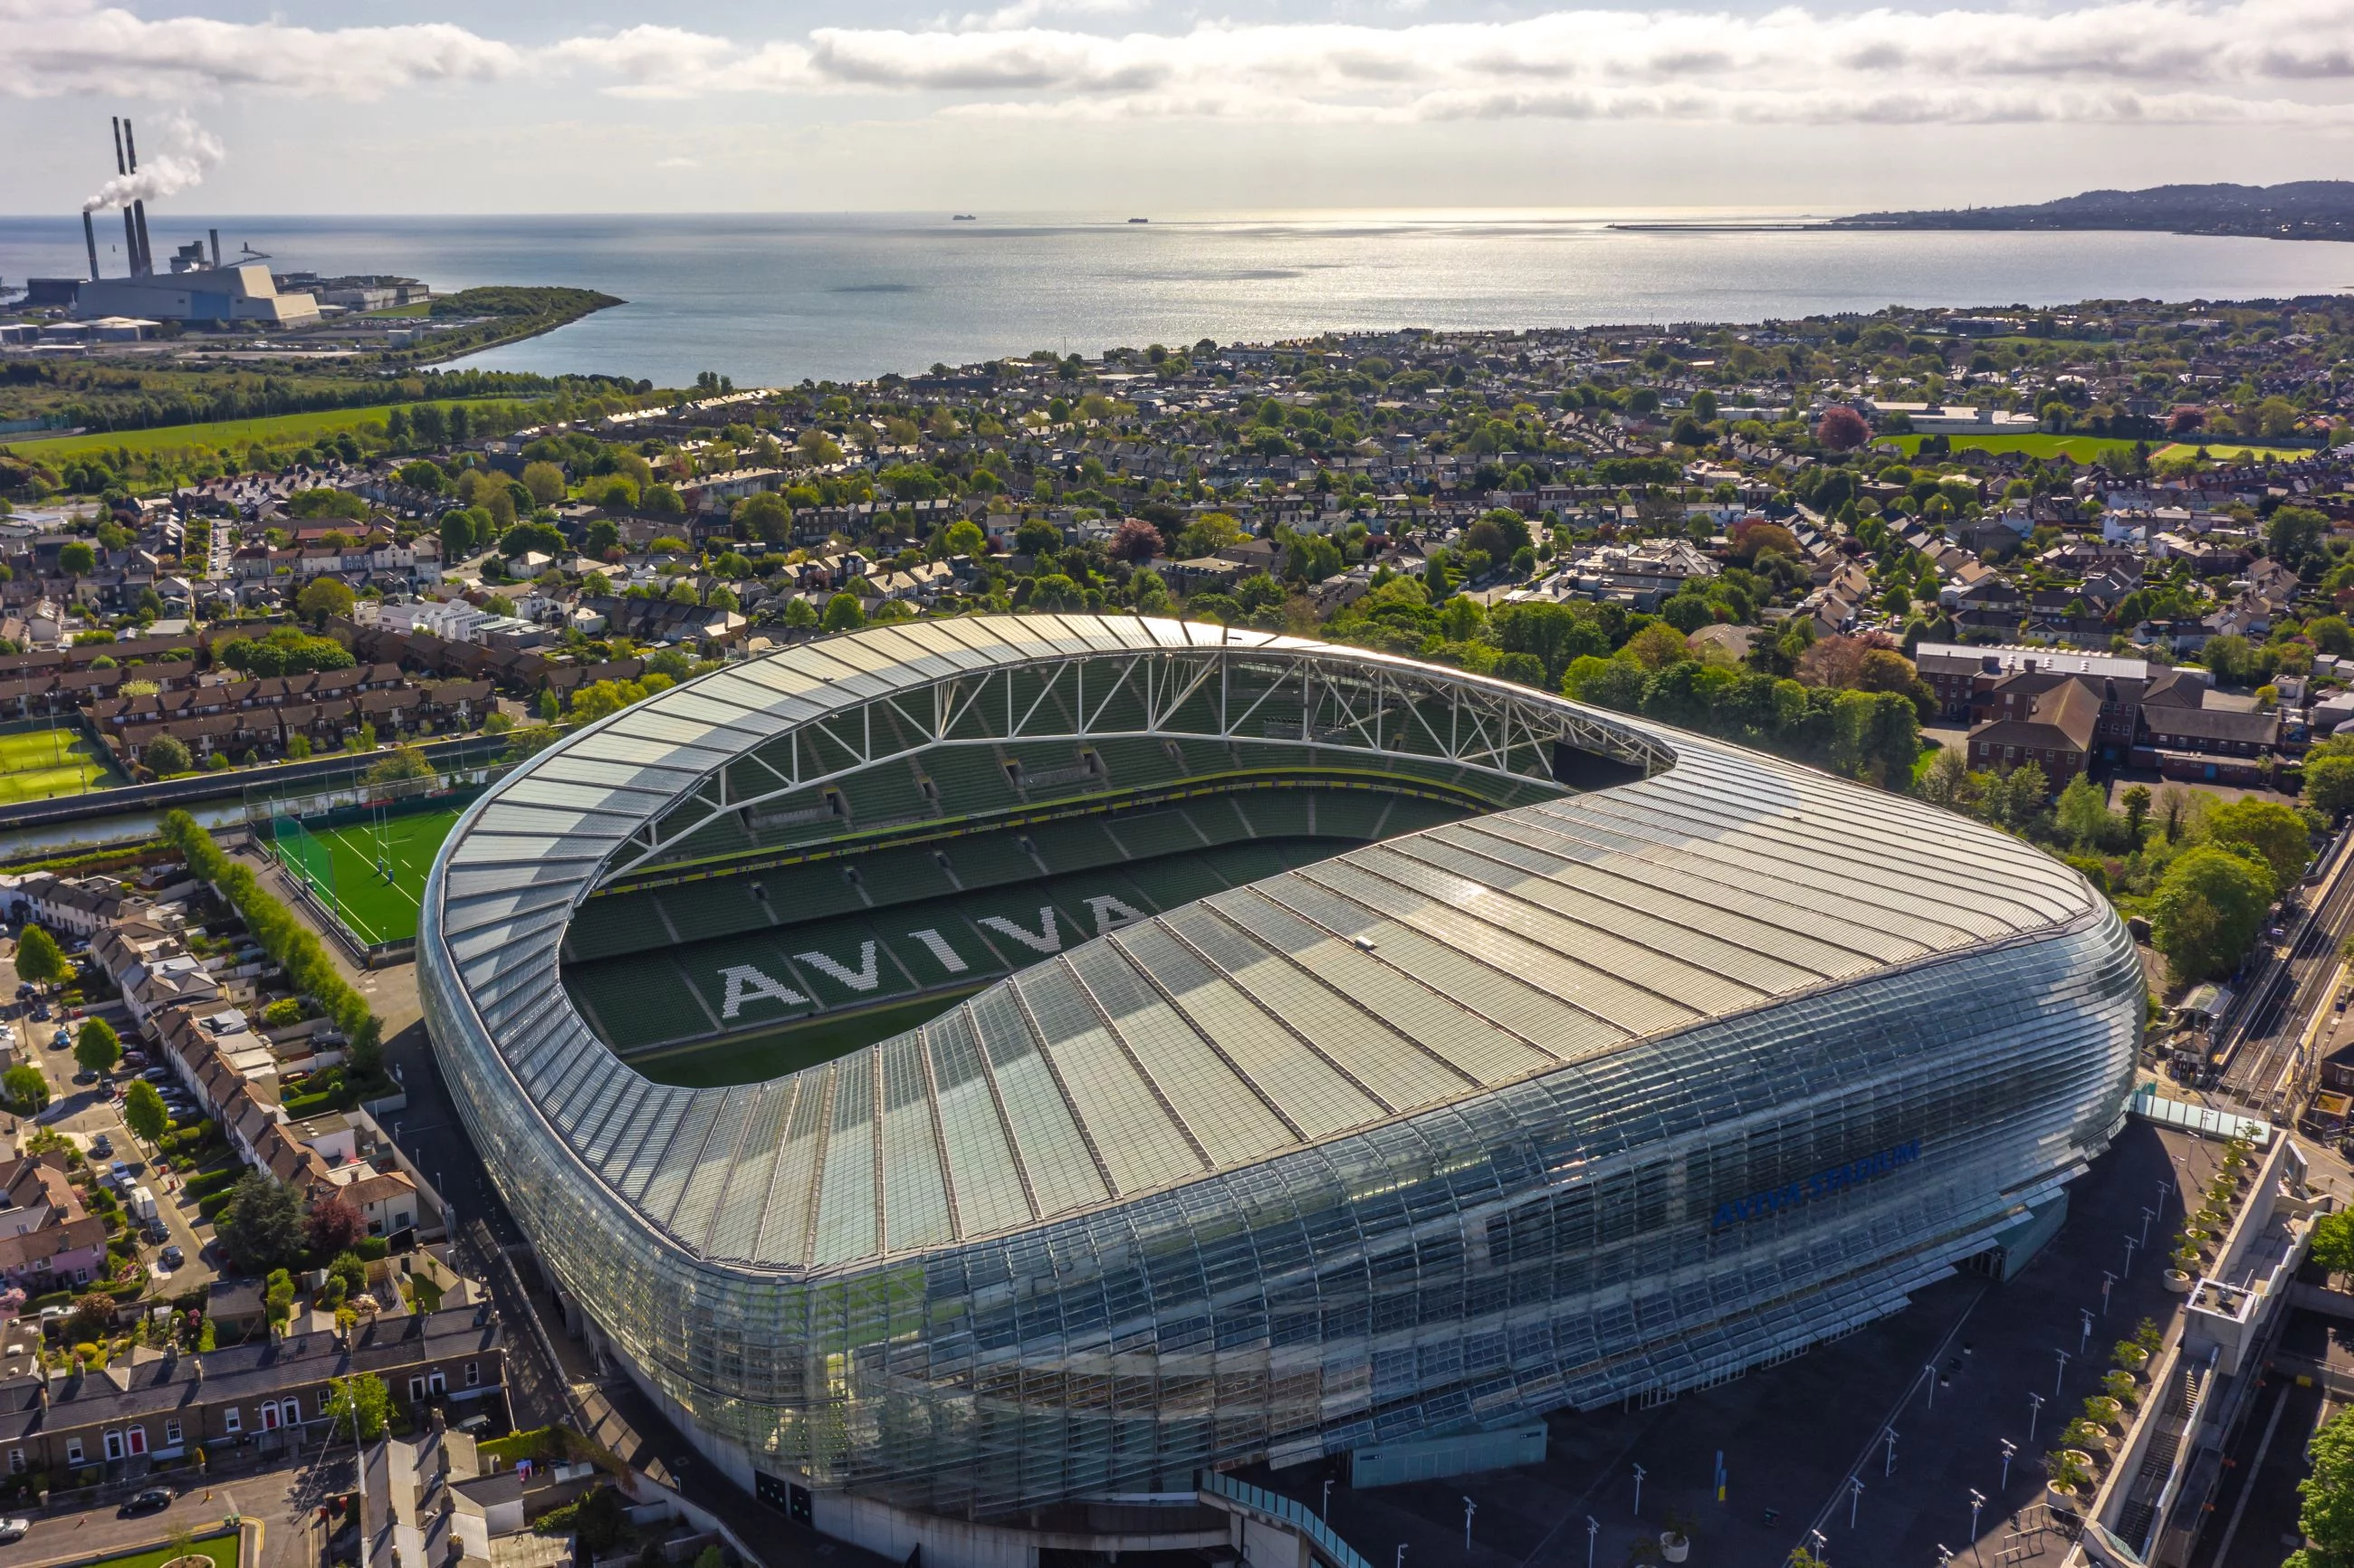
(1661, 1059)
(196, 286)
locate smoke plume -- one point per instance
(186, 154)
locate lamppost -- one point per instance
(1639, 1474)
(1470, 1508)
(1399, 1562)
(2107, 1281)
(1325, 1511)
(1978, 1501)
(2146, 1215)
(1821, 1542)
(1888, 1464)
(1593, 1529)
(1854, 1498)
(2085, 1339)
(2126, 1272)
(1931, 1372)
(2034, 1409)
(2063, 1372)
(2009, 1449)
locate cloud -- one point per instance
(66, 48)
(176, 162)
(2110, 61)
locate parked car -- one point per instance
(13, 1529)
(158, 1231)
(85, 1076)
(42, 1012)
(155, 1500)
(156, 1074)
(119, 1173)
(61, 1039)
(25, 989)
(103, 1146)
(172, 1256)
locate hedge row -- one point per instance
(294, 946)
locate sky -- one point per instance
(1164, 107)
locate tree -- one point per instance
(400, 762)
(2207, 911)
(2330, 781)
(97, 1048)
(2136, 799)
(546, 483)
(27, 1088)
(1842, 428)
(40, 959)
(77, 559)
(324, 598)
(143, 1110)
(842, 613)
(459, 537)
(333, 1225)
(2274, 832)
(766, 516)
(1136, 541)
(2333, 1241)
(2292, 533)
(264, 1226)
(361, 1405)
(166, 755)
(2327, 1516)
(2083, 812)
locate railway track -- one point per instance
(2262, 1062)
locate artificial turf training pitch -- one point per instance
(372, 876)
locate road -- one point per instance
(2262, 1065)
(285, 1501)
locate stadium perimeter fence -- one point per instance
(288, 822)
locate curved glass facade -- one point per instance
(1648, 1085)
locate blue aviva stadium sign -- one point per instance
(1821, 1184)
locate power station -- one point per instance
(197, 287)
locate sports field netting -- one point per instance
(369, 874)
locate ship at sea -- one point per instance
(962, 217)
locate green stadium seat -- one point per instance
(1123, 710)
(936, 945)
(1078, 845)
(638, 1002)
(1277, 813)
(903, 875)
(989, 860)
(1135, 763)
(1175, 880)
(721, 906)
(1148, 835)
(887, 792)
(969, 780)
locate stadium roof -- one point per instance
(1390, 979)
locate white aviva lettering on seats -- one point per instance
(1047, 939)
(745, 983)
(863, 978)
(950, 959)
(1111, 914)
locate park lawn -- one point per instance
(266, 430)
(38, 764)
(221, 1549)
(2236, 451)
(2039, 444)
(373, 909)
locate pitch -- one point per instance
(370, 872)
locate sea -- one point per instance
(779, 299)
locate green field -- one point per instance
(2081, 448)
(221, 1548)
(39, 763)
(2236, 450)
(347, 866)
(268, 430)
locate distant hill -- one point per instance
(2302, 209)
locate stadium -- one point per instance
(972, 1069)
